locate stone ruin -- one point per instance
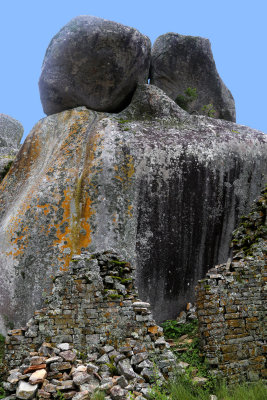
(232, 301)
(164, 188)
(94, 334)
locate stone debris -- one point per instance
(91, 360)
(25, 390)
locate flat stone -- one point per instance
(38, 376)
(66, 385)
(60, 366)
(25, 390)
(117, 393)
(37, 360)
(63, 346)
(68, 355)
(32, 368)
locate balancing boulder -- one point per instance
(95, 63)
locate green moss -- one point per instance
(5, 170)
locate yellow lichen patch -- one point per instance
(130, 208)
(63, 241)
(125, 171)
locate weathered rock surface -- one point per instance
(161, 187)
(11, 132)
(95, 63)
(180, 62)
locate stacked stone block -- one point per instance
(231, 304)
(94, 309)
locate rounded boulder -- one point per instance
(95, 63)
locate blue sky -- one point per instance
(237, 30)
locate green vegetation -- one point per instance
(208, 110)
(180, 388)
(60, 395)
(184, 100)
(190, 94)
(5, 170)
(185, 345)
(98, 395)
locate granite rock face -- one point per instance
(95, 63)
(163, 188)
(180, 62)
(11, 132)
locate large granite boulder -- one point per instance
(163, 188)
(180, 62)
(95, 63)
(11, 132)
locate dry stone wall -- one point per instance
(231, 304)
(94, 310)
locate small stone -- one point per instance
(148, 374)
(49, 387)
(92, 368)
(138, 358)
(60, 366)
(122, 381)
(106, 384)
(42, 394)
(38, 376)
(141, 304)
(25, 390)
(90, 387)
(63, 346)
(66, 385)
(70, 395)
(183, 365)
(79, 378)
(14, 377)
(124, 368)
(117, 393)
(68, 355)
(103, 359)
(34, 368)
(199, 381)
(161, 342)
(37, 360)
(107, 349)
(213, 397)
(82, 395)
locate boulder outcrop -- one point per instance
(95, 63)
(11, 132)
(180, 62)
(161, 187)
